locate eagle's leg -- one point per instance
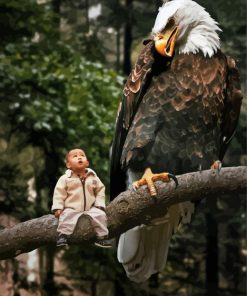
(149, 178)
(217, 165)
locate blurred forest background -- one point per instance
(62, 69)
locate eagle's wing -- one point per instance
(233, 101)
(135, 86)
(180, 115)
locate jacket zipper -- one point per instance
(84, 193)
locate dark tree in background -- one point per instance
(128, 37)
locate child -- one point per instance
(79, 191)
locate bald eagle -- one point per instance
(178, 113)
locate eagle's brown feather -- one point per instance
(136, 81)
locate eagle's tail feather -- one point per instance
(143, 250)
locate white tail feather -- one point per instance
(143, 250)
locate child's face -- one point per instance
(77, 160)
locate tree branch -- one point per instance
(129, 209)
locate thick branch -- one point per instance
(129, 209)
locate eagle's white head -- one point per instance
(185, 26)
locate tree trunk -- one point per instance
(87, 15)
(127, 38)
(129, 209)
(41, 269)
(232, 263)
(56, 6)
(158, 3)
(212, 248)
(117, 49)
(49, 180)
(49, 285)
(119, 291)
(153, 284)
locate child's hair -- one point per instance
(67, 154)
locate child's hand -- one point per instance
(57, 213)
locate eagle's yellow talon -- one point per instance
(135, 185)
(149, 178)
(217, 165)
(162, 177)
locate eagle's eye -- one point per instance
(170, 24)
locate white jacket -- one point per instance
(73, 192)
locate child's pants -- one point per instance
(69, 217)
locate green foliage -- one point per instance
(92, 109)
(13, 190)
(232, 21)
(20, 19)
(53, 98)
(141, 16)
(30, 88)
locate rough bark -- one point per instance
(126, 211)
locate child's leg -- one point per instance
(99, 222)
(67, 221)
(66, 225)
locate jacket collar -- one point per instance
(89, 171)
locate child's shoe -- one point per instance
(103, 243)
(62, 240)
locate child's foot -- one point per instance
(103, 243)
(62, 240)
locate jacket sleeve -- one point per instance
(100, 194)
(59, 195)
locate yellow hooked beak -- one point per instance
(165, 41)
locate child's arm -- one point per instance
(59, 197)
(100, 195)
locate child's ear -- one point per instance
(68, 166)
(87, 163)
